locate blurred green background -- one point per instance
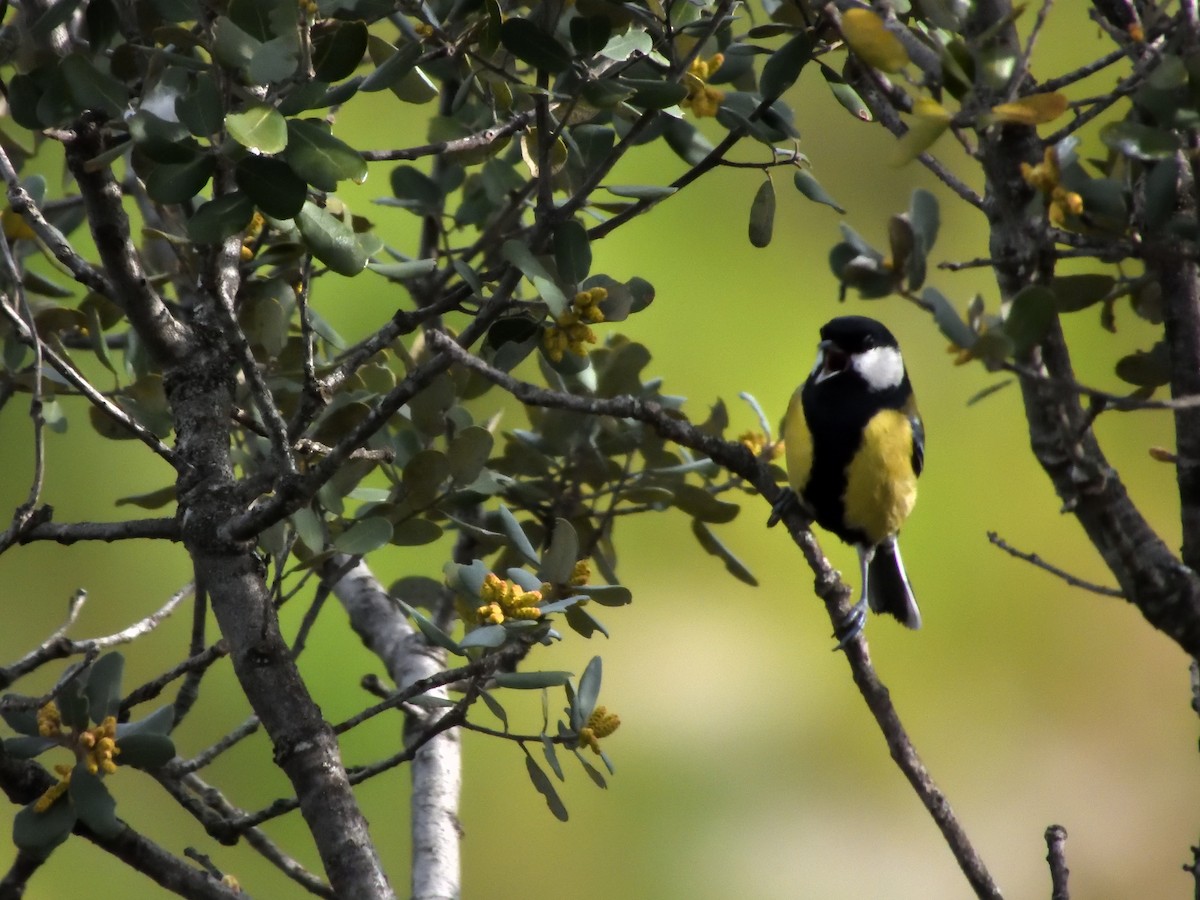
(746, 763)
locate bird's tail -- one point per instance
(888, 590)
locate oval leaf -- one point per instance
(258, 127)
(272, 185)
(331, 240)
(364, 536)
(321, 159)
(762, 214)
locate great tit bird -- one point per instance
(855, 446)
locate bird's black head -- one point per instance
(861, 345)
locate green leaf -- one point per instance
(180, 182)
(1029, 316)
(93, 803)
(641, 191)
(201, 109)
(516, 535)
(530, 44)
(948, 319)
(590, 34)
(542, 782)
(1146, 369)
(161, 721)
(338, 49)
(653, 93)
(783, 67)
(528, 681)
(402, 271)
(607, 594)
(700, 504)
(259, 127)
(552, 757)
(587, 694)
(846, 95)
(494, 707)
(592, 772)
(925, 218)
(331, 240)
(624, 45)
(28, 746)
(415, 533)
(364, 536)
(145, 751)
(1139, 141)
(583, 623)
(321, 159)
(1075, 292)
(232, 46)
(432, 633)
(713, 545)
(93, 89)
(275, 189)
(762, 214)
(687, 141)
(220, 218)
(150, 500)
(22, 720)
(487, 636)
(394, 68)
(423, 477)
(468, 453)
(807, 185)
(416, 191)
(38, 833)
(558, 562)
(572, 252)
(104, 686)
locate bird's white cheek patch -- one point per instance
(882, 368)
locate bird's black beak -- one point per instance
(835, 360)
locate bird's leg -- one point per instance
(787, 501)
(847, 629)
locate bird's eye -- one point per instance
(868, 342)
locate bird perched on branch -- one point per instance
(855, 446)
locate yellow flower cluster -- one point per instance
(756, 443)
(253, 230)
(100, 746)
(96, 748)
(704, 99)
(505, 600)
(581, 574)
(47, 799)
(1046, 177)
(570, 330)
(600, 724)
(49, 720)
(309, 8)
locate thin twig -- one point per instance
(1056, 839)
(478, 141)
(58, 646)
(206, 756)
(1034, 559)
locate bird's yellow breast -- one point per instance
(798, 444)
(881, 487)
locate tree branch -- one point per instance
(165, 337)
(437, 768)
